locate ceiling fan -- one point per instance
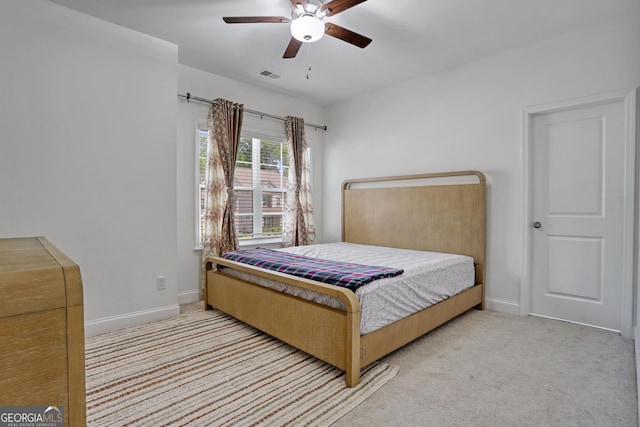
(307, 23)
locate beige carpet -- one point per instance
(204, 368)
(490, 369)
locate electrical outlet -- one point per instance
(161, 282)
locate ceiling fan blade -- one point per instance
(295, 3)
(292, 49)
(336, 6)
(348, 36)
(254, 19)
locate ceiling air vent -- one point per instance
(270, 74)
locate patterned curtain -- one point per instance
(298, 223)
(225, 124)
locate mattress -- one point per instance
(428, 278)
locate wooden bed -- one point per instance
(441, 212)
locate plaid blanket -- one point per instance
(345, 274)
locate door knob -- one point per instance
(537, 224)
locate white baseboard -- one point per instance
(502, 306)
(189, 296)
(106, 324)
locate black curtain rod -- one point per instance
(190, 97)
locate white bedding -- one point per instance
(428, 278)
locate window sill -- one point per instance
(267, 241)
(270, 242)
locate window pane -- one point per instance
(271, 225)
(274, 164)
(272, 153)
(244, 226)
(245, 150)
(243, 176)
(243, 202)
(273, 202)
(273, 177)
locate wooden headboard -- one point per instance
(438, 212)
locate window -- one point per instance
(202, 134)
(259, 188)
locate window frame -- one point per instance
(247, 132)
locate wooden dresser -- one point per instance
(41, 328)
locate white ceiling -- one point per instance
(411, 38)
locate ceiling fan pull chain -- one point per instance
(309, 67)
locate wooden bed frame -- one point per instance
(441, 212)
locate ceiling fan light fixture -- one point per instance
(307, 28)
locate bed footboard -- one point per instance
(329, 334)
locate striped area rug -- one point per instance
(204, 368)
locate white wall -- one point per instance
(87, 153)
(470, 118)
(211, 86)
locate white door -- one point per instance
(578, 214)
